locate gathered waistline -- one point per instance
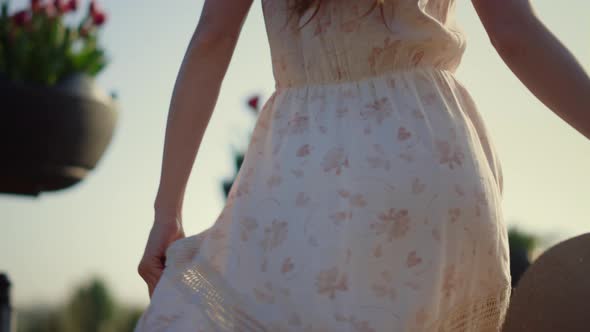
(361, 79)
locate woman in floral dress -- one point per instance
(370, 197)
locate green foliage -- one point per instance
(42, 49)
(238, 155)
(238, 160)
(39, 319)
(91, 308)
(519, 239)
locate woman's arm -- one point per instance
(195, 95)
(538, 59)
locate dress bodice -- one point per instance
(340, 44)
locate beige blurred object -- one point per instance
(554, 292)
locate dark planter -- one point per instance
(51, 137)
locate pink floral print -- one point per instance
(394, 223)
(369, 199)
(331, 280)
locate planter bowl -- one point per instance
(51, 137)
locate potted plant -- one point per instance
(55, 122)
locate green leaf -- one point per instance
(20, 56)
(521, 239)
(93, 61)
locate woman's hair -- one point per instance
(299, 7)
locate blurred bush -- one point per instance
(91, 308)
(521, 246)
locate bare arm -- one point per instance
(539, 60)
(195, 95)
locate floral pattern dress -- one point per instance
(369, 199)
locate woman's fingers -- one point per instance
(153, 262)
(151, 269)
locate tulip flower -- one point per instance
(72, 5)
(35, 5)
(253, 102)
(98, 15)
(21, 17)
(60, 5)
(94, 8)
(99, 18)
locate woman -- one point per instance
(370, 195)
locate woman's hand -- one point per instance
(166, 229)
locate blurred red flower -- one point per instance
(253, 102)
(35, 5)
(73, 5)
(98, 15)
(99, 18)
(21, 18)
(60, 5)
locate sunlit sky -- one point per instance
(51, 243)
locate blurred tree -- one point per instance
(39, 319)
(124, 320)
(127, 321)
(91, 308)
(521, 246)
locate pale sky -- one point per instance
(51, 243)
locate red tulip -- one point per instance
(99, 18)
(98, 15)
(21, 17)
(73, 5)
(253, 102)
(94, 8)
(35, 5)
(59, 4)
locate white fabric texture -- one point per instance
(370, 195)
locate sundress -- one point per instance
(369, 198)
